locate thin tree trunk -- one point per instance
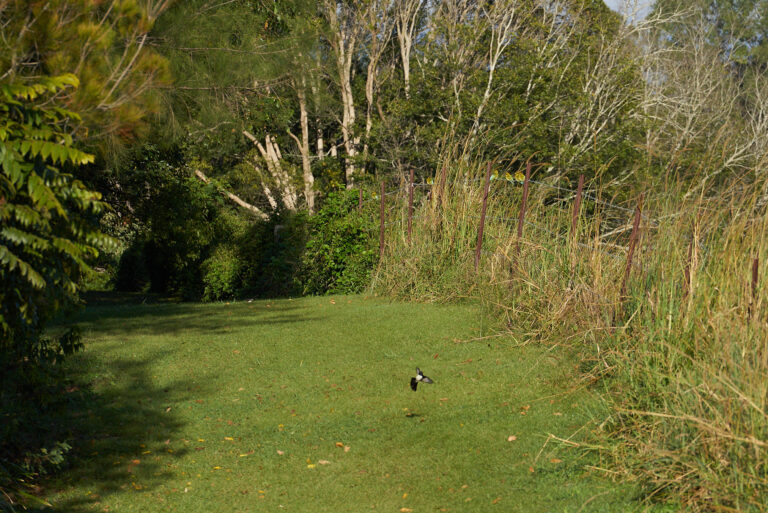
(303, 144)
(343, 41)
(406, 16)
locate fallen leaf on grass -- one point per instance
(229, 438)
(323, 462)
(511, 438)
(311, 465)
(279, 452)
(555, 460)
(339, 444)
(496, 500)
(531, 470)
(167, 409)
(557, 413)
(135, 462)
(346, 448)
(405, 510)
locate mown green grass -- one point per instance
(238, 407)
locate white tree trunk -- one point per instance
(406, 16)
(303, 145)
(270, 152)
(379, 25)
(345, 29)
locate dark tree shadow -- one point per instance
(125, 435)
(173, 318)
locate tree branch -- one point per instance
(253, 209)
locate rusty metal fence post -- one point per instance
(482, 218)
(687, 271)
(632, 243)
(753, 300)
(576, 207)
(410, 208)
(521, 216)
(381, 225)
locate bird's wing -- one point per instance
(418, 372)
(414, 383)
(425, 379)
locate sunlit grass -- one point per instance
(304, 405)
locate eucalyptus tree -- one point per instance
(243, 76)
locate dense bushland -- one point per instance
(182, 239)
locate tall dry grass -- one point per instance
(686, 367)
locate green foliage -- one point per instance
(274, 251)
(104, 46)
(192, 243)
(49, 233)
(341, 250)
(738, 28)
(221, 273)
(223, 58)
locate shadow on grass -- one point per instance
(174, 318)
(123, 435)
(125, 430)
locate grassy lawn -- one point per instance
(304, 405)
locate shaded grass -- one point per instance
(194, 405)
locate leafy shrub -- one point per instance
(341, 250)
(48, 236)
(221, 273)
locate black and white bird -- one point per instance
(420, 377)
